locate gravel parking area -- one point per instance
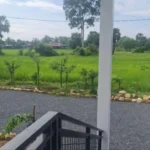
(130, 122)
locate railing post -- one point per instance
(88, 130)
(54, 137)
(100, 141)
(59, 125)
(46, 133)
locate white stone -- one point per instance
(134, 100)
(145, 98)
(127, 99)
(121, 98)
(139, 100)
(127, 95)
(133, 95)
(122, 92)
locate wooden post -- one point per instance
(33, 113)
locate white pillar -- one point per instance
(105, 65)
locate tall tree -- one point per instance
(147, 45)
(34, 43)
(47, 39)
(127, 43)
(75, 40)
(10, 42)
(140, 39)
(81, 13)
(4, 27)
(116, 38)
(93, 38)
(64, 40)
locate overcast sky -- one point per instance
(52, 10)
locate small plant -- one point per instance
(30, 53)
(16, 121)
(79, 51)
(20, 52)
(139, 50)
(118, 80)
(136, 87)
(1, 52)
(60, 68)
(11, 68)
(45, 50)
(84, 75)
(92, 75)
(36, 75)
(67, 71)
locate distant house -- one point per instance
(57, 45)
(7, 46)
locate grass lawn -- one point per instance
(125, 65)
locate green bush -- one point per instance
(139, 50)
(80, 51)
(93, 48)
(119, 49)
(90, 50)
(87, 52)
(45, 50)
(20, 52)
(30, 53)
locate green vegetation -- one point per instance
(126, 66)
(15, 121)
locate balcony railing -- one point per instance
(56, 131)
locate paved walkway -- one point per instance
(130, 123)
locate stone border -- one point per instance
(122, 96)
(72, 93)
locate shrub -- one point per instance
(1, 52)
(16, 121)
(87, 52)
(90, 50)
(29, 53)
(20, 52)
(80, 51)
(60, 68)
(11, 69)
(119, 49)
(93, 48)
(36, 75)
(118, 80)
(139, 50)
(84, 75)
(45, 50)
(92, 75)
(62, 53)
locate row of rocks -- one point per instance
(74, 93)
(123, 96)
(7, 136)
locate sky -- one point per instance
(53, 10)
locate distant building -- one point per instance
(57, 45)
(7, 46)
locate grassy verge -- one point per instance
(126, 66)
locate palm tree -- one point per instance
(116, 38)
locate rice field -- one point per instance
(125, 65)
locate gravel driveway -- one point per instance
(130, 123)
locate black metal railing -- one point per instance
(56, 131)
